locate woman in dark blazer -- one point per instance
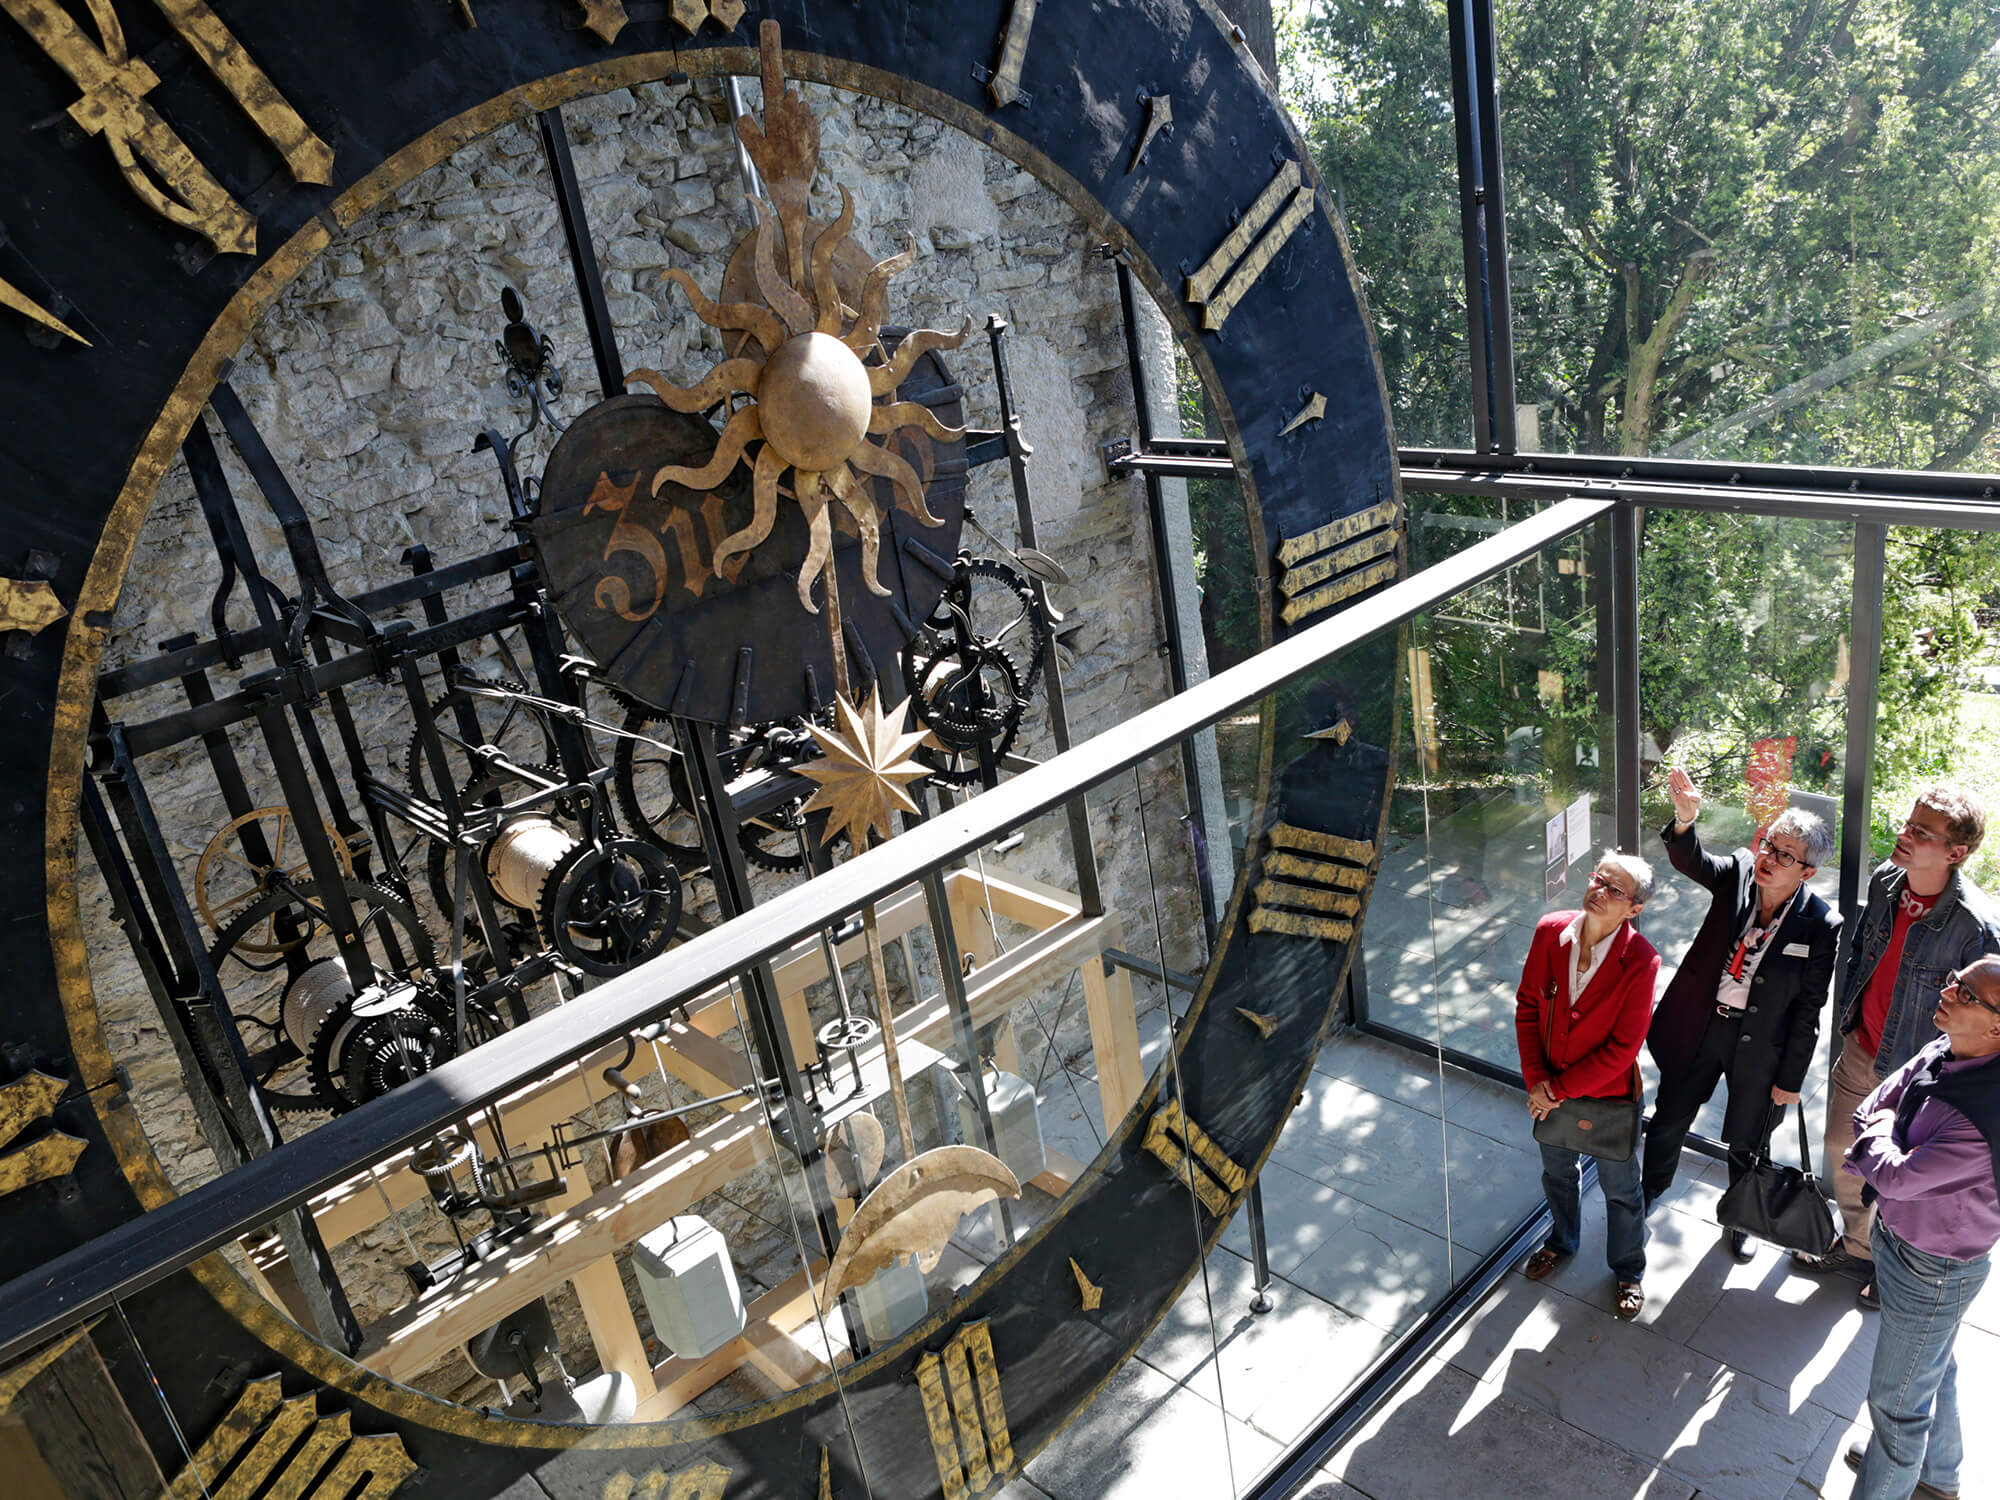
(1580, 1018)
(1746, 1002)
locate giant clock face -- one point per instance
(208, 157)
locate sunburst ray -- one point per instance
(868, 523)
(867, 327)
(909, 489)
(797, 313)
(743, 428)
(819, 527)
(735, 317)
(885, 378)
(901, 414)
(764, 515)
(731, 377)
(825, 293)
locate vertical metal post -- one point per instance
(1489, 334)
(1083, 845)
(1857, 772)
(1621, 597)
(582, 254)
(1180, 618)
(1260, 1252)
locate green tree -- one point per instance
(1711, 207)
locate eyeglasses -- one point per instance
(1924, 835)
(1609, 886)
(1783, 860)
(1955, 989)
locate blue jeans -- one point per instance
(1913, 1384)
(1624, 1208)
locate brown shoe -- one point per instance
(1631, 1300)
(1543, 1261)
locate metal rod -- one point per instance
(1627, 750)
(1857, 772)
(1471, 228)
(137, 1254)
(1493, 228)
(1260, 1252)
(1083, 844)
(582, 253)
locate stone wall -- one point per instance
(376, 369)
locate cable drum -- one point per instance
(521, 858)
(318, 991)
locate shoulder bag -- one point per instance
(1597, 1127)
(1780, 1205)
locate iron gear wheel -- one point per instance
(654, 795)
(999, 610)
(967, 697)
(373, 1042)
(385, 918)
(530, 740)
(608, 908)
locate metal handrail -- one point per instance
(89, 1279)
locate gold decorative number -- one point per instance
(155, 161)
(1251, 246)
(702, 1481)
(1186, 1150)
(1005, 84)
(294, 1447)
(24, 1102)
(965, 1413)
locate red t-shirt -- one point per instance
(1882, 983)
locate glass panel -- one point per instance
(1371, 87)
(1500, 798)
(1743, 668)
(1751, 232)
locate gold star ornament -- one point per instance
(867, 764)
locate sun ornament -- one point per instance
(815, 407)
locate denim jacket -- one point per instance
(1964, 925)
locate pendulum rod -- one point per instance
(871, 931)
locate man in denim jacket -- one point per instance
(1924, 919)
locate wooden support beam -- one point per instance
(1114, 1037)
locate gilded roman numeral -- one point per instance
(965, 1414)
(155, 161)
(294, 1447)
(1186, 1150)
(703, 1481)
(1005, 83)
(1309, 878)
(1252, 245)
(26, 1101)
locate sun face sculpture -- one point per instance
(815, 407)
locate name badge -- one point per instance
(1797, 950)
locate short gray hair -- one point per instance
(1634, 868)
(1809, 829)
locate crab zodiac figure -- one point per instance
(814, 405)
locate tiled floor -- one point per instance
(1736, 1383)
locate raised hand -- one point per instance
(1686, 795)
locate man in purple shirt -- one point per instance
(1927, 1142)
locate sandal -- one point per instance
(1543, 1261)
(1631, 1299)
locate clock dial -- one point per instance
(225, 152)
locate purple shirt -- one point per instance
(1937, 1189)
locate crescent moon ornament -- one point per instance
(914, 1210)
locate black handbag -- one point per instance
(1597, 1127)
(1781, 1205)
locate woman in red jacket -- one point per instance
(1581, 1014)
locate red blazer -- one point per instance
(1590, 1050)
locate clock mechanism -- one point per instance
(431, 789)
